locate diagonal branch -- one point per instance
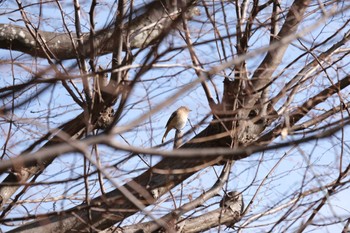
(273, 58)
(175, 215)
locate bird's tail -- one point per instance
(165, 134)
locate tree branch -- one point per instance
(143, 31)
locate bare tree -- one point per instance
(87, 88)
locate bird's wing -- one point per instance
(170, 119)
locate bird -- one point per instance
(177, 120)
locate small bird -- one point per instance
(177, 120)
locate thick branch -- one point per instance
(273, 58)
(143, 31)
(174, 219)
(231, 208)
(230, 212)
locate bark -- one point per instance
(263, 73)
(142, 31)
(227, 214)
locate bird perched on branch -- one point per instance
(177, 120)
